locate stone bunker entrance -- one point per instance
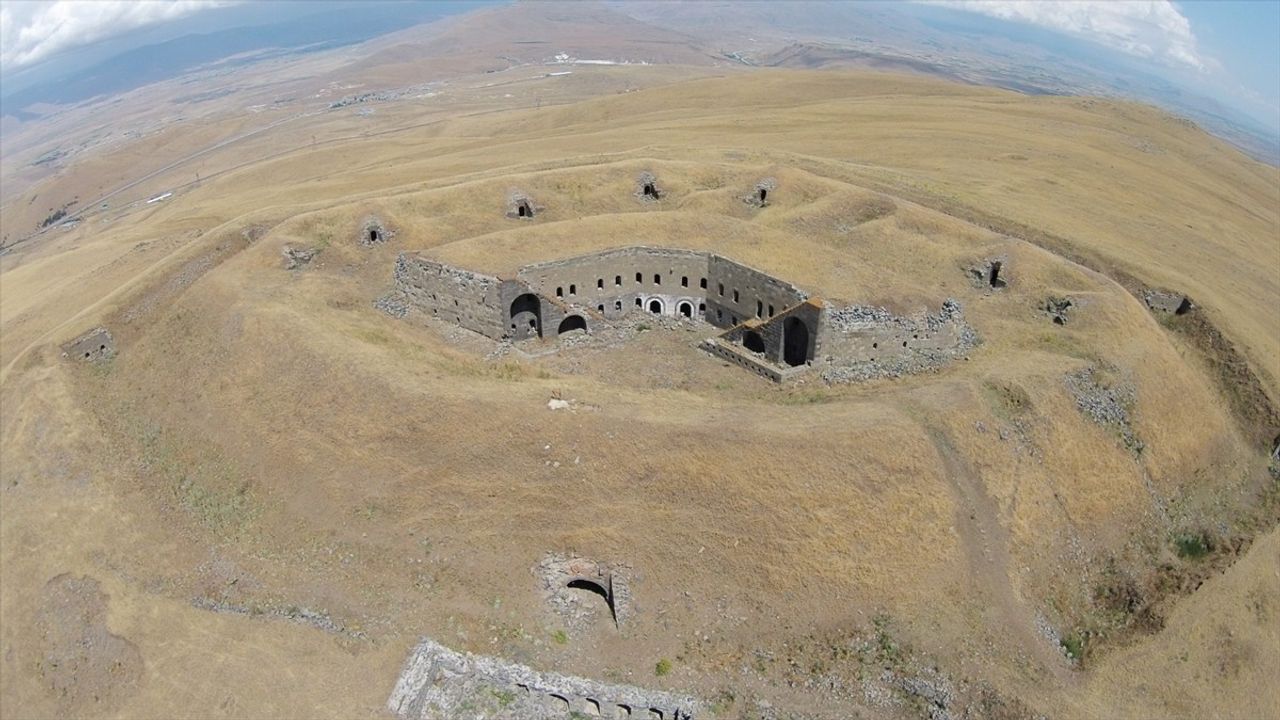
(523, 209)
(795, 342)
(685, 308)
(526, 316)
(594, 588)
(752, 341)
(571, 323)
(655, 306)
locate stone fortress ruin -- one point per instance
(770, 327)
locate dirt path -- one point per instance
(986, 544)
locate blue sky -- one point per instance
(1244, 36)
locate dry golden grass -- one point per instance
(269, 438)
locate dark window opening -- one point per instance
(617, 280)
(559, 292)
(752, 341)
(703, 284)
(721, 289)
(523, 210)
(639, 302)
(657, 279)
(651, 190)
(639, 277)
(573, 289)
(373, 236)
(684, 281)
(770, 311)
(759, 308)
(735, 296)
(764, 193)
(655, 306)
(600, 284)
(617, 304)
(102, 347)
(686, 309)
(600, 308)
(702, 307)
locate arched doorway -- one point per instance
(685, 308)
(795, 341)
(655, 306)
(752, 341)
(594, 588)
(526, 316)
(571, 323)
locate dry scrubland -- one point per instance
(266, 440)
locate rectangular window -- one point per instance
(684, 281)
(639, 277)
(759, 308)
(559, 292)
(657, 279)
(721, 289)
(704, 284)
(735, 296)
(770, 311)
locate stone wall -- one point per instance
(790, 338)
(736, 292)
(93, 346)
(439, 683)
(467, 299)
(614, 283)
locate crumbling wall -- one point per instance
(467, 299)
(862, 342)
(1167, 301)
(438, 683)
(94, 346)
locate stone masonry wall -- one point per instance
(617, 282)
(736, 292)
(468, 299)
(438, 683)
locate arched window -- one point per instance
(600, 284)
(560, 292)
(639, 277)
(573, 289)
(617, 280)
(684, 281)
(759, 308)
(657, 279)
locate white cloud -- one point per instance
(1152, 29)
(33, 30)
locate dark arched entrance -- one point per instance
(752, 341)
(795, 341)
(686, 309)
(594, 588)
(526, 316)
(655, 306)
(571, 323)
